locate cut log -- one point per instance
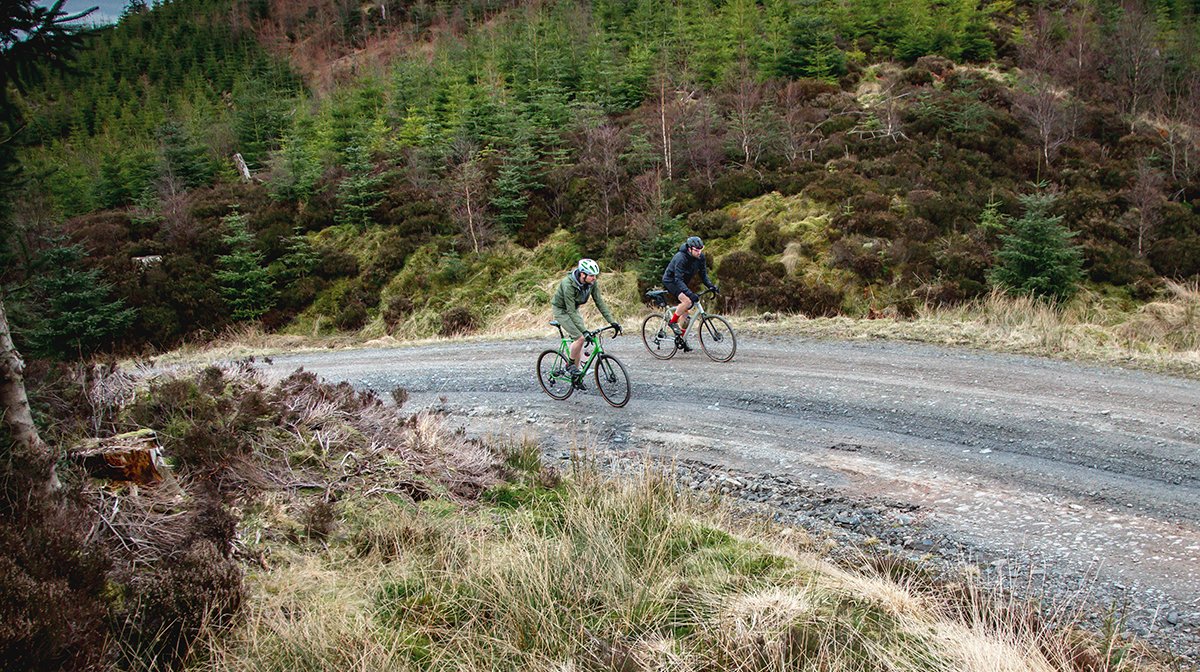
(135, 457)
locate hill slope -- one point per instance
(426, 144)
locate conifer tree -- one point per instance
(78, 314)
(1037, 258)
(184, 162)
(359, 193)
(514, 182)
(245, 282)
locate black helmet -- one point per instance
(695, 242)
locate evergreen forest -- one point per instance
(418, 168)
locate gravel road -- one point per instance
(1079, 484)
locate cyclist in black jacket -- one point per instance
(684, 265)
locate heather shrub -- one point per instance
(814, 297)
(395, 308)
(457, 321)
(352, 315)
(1176, 258)
(713, 224)
(748, 280)
(170, 610)
(867, 257)
(768, 240)
(53, 602)
(733, 187)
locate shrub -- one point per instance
(816, 298)
(1178, 258)
(1113, 263)
(458, 320)
(733, 187)
(713, 224)
(395, 309)
(52, 582)
(351, 316)
(172, 609)
(865, 256)
(768, 240)
(334, 263)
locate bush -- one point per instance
(457, 321)
(1113, 263)
(865, 256)
(815, 298)
(1178, 258)
(768, 240)
(713, 224)
(733, 187)
(53, 606)
(172, 609)
(395, 309)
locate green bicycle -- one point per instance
(716, 336)
(611, 377)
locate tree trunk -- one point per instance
(28, 447)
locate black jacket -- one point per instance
(683, 266)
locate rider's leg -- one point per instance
(685, 304)
(577, 351)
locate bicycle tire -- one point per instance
(616, 378)
(658, 337)
(716, 335)
(551, 373)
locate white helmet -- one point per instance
(588, 267)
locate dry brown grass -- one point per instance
(1162, 335)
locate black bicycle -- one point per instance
(664, 339)
(611, 378)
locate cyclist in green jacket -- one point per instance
(572, 292)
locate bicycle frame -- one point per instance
(591, 339)
(695, 314)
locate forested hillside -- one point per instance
(421, 168)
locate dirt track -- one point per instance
(1089, 476)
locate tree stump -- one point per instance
(134, 457)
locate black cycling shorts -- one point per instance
(677, 288)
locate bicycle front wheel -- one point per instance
(658, 337)
(553, 376)
(612, 380)
(717, 339)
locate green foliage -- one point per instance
(1038, 258)
(514, 180)
(246, 284)
(359, 193)
(77, 314)
(184, 161)
(656, 252)
(812, 51)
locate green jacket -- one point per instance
(572, 293)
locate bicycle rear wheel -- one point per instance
(552, 374)
(717, 339)
(612, 380)
(659, 337)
